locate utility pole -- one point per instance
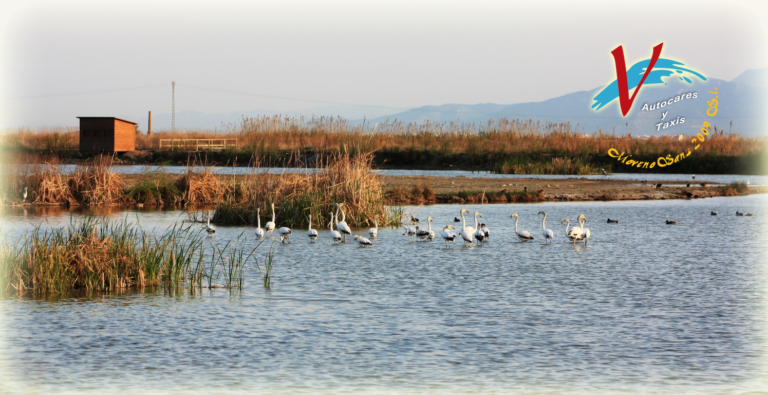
(173, 106)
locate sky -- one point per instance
(60, 60)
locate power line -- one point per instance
(85, 93)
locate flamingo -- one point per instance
(585, 233)
(342, 225)
(285, 232)
(410, 231)
(363, 241)
(523, 235)
(24, 196)
(209, 228)
(466, 231)
(448, 236)
(258, 231)
(426, 234)
(547, 233)
(486, 231)
(335, 235)
(270, 226)
(574, 234)
(311, 233)
(373, 232)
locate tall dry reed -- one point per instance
(344, 178)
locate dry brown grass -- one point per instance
(328, 134)
(93, 184)
(345, 178)
(202, 188)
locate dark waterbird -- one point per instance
(456, 219)
(658, 186)
(671, 223)
(713, 213)
(613, 221)
(738, 214)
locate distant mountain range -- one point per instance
(741, 101)
(741, 108)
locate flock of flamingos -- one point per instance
(468, 234)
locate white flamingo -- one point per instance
(574, 234)
(486, 231)
(373, 232)
(410, 231)
(523, 235)
(270, 226)
(585, 233)
(335, 235)
(479, 234)
(259, 232)
(363, 241)
(311, 233)
(24, 195)
(448, 236)
(466, 232)
(426, 234)
(209, 228)
(547, 233)
(342, 225)
(284, 232)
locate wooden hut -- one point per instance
(107, 134)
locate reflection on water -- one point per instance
(646, 307)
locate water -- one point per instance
(711, 178)
(645, 307)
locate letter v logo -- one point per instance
(621, 76)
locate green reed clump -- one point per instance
(157, 189)
(266, 271)
(101, 255)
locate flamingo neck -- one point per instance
(258, 219)
(542, 222)
(310, 222)
(430, 225)
(273, 213)
(376, 224)
(516, 218)
(463, 224)
(475, 220)
(343, 216)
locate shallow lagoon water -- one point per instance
(645, 307)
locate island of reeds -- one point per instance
(502, 146)
(344, 178)
(96, 254)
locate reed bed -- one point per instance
(345, 178)
(498, 143)
(93, 184)
(98, 255)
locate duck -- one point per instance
(671, 222)
(613, 221)
(738, 214)
(713, 213)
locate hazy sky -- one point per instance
(397, 54)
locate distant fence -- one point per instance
(197, 144)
